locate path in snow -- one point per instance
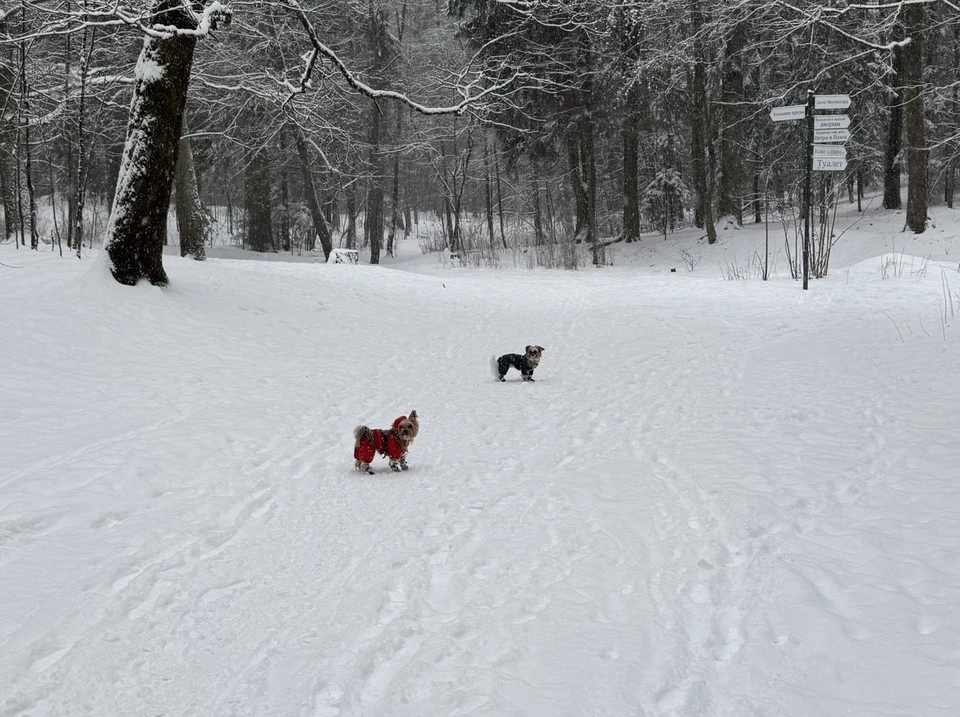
(717, 499)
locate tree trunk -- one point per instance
(374, 216)
(352, 216)
(258, 213)
(79, 194)
(284, 195)
(948, 188)
(891, 158)
(320, 225)
(9, 167)
(631, 179)
(190, 220)
(700, 125)
(395, 218)
(496, 167)
(138, 220)
(730, 200)
(488, 193)
(913, 15)
(757, 202)
(537, 209)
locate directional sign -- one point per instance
(829, 165)
(794, 112)
(831, 122)
(831, 102)
(831, 135)
(829, 151)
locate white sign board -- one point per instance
(794, 112)
(831, 135)
(829, 165)
(831, 102)
(829, 151)
(831, 122)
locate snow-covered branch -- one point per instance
(470, 93)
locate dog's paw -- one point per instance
(370, 472)
(404, 467)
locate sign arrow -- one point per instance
(831, 122)
(831, 102)
(829, 165)
(831, 135)
(829, 151)
(793, 112)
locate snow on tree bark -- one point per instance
(138, 220)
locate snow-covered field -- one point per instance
(718, 499)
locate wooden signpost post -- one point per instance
(822, 155)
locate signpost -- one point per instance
(831, 122)
(831, 102)
(794, 112)
(829, 151)
(829, 164)
(830, 135)
(821, 156)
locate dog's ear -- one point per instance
(413, 417)
(528, 348)
(541, 349)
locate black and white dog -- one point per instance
(525, 363)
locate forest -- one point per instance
(292, 125)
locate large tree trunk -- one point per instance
(395, 218)
(138, 220)
(190, 221)
(700, 126)
(730, 200)
(310, 190)
(631, 159)
(915, 120)
(374, 216)
(891, 158)
(379, 39)
(257, 190)
(8, 138)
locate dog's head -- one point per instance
(407, 427)
(533, 354)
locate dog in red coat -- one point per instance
(391, 443)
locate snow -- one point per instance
(148, 69)
(719, 498)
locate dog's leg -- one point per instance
(363, 467)
(503, 365)
(403, 463)
(395, 465)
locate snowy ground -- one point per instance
(719, 499)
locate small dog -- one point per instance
(524, 364)
(390, 443)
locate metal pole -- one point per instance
(808, 207)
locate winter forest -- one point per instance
(282, 125)
(501, 358)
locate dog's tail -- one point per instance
(494, 368)
(362, 434)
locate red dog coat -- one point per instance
(385, 443)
